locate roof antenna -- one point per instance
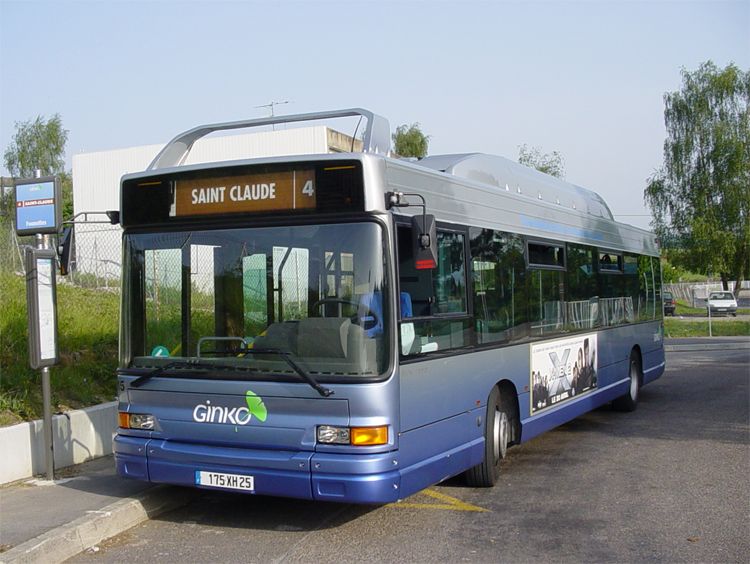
(271, 105)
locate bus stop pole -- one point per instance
(49, 448)
(48, 444)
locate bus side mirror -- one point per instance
(114, 216)
(424, 241)
(65, 250)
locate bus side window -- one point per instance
(450, 276)
(499, 285)
(417, 283)
(433, 293)
(581, 291)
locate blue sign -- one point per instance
(37, 206)
(160, 350)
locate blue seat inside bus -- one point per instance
(406, 309)
(374, 303)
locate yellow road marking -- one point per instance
(450, 503)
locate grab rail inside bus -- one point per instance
(377, 135)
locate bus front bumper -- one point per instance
(348, 478)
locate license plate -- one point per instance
(225, 481)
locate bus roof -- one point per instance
(514, 177)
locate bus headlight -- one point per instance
(331, 435)
(141, 421)
(356, 436)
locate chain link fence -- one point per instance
(11, 247)
(96, 251)
(696, 293)
(96, 254)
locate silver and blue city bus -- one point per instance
(355, 327)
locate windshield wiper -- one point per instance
(196, 363)
(287, 356)
(190, 363)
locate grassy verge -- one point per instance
(674, 328)
(682, 308)
(87, 327)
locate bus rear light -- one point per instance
(135, 421)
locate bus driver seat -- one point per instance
(407, 329)
(374, 327)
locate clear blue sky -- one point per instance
(583, 78)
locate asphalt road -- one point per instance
(669, 482)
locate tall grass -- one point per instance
(87, 332)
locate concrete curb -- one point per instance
(708, 347)
(78, 436)
(65, 542)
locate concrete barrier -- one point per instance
(78, 436)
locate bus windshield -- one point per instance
(315, 292)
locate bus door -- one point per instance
(434, 324)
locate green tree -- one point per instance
(548, 163)
(40, 144)
(409, 141)
(672, 274)
(700, 198)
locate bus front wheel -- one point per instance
(496, 439)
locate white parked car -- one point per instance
(722, 303)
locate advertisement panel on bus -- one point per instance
(562, 369)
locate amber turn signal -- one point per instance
(369, 436)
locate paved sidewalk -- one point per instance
(43, 521)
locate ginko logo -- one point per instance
(207, 413)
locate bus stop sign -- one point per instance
(38, 206)
(41, 302)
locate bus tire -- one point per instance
(496, 438)
(629, 401)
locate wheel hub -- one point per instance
(500, 435)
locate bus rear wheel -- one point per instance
(496, 438)
(629, 401)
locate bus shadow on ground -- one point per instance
(242, 511)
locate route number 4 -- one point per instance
(308, 189)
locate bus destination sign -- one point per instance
(275, 191)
